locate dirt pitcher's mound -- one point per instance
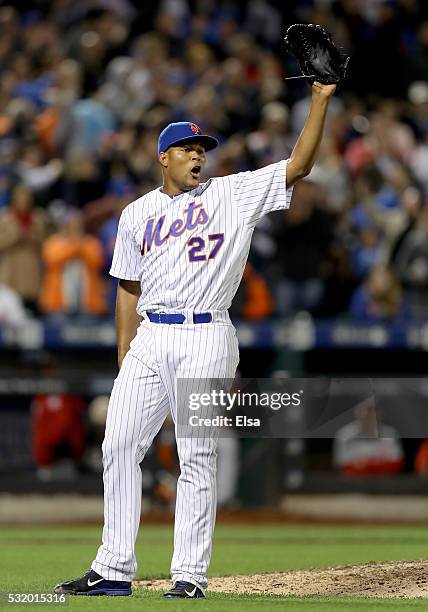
(387, 579)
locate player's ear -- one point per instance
(163, 159)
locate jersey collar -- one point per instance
(178, 195)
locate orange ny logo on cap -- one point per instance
(195, 128)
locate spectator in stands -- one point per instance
(412, 203)
(12, 311)
(410, 258)
(380, 297)
(22, 231)
(332, 176)
(36, 172)
(57, 435)
(384, 204)
(303, 235)
(253, 300)
(366, 251)
(73, 262)
(84, 125)
(366, 446)
(84, 181)
(419, 54)
(340, 282)
(269, 143)
(63, 92)
(9, 176)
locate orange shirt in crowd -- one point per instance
(58, 253)
(258, 299)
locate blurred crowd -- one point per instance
(86, 87)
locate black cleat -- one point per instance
(185, 590)
(93, 584)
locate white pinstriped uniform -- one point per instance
(197, 269)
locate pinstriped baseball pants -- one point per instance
(144, 391)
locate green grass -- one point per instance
(33, 559)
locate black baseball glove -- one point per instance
(318, 57)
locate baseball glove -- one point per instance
(319, 58)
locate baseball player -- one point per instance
(179, 257)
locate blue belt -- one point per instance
(171, 318)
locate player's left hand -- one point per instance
(324, 91)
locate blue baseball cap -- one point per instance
(182, 132)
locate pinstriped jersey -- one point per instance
(189, 251)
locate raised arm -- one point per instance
(306, 148)
(127, 319)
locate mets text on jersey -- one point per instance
(194, 215)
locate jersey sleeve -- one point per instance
(262, 191)
(126, 255)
